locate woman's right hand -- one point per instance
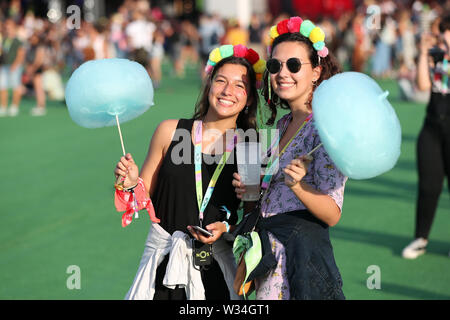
(128, 169)
(239, 187)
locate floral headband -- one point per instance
(305, 28)
(241, 51)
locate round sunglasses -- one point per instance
(293, 64)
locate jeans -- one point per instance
(10, 79)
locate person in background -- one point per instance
(140, 36)
(189, 42)
(382, 57)
(98, 41)
(12, 59)
(82, 45)
(360, 52)
(255, 30)
(156, 57)
(235, 34)
(34, 69)
(118, 37)
(406, 43)
(211, 30)
(433, 144)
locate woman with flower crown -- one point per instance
(304, 197)
(187, 189)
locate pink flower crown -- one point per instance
(241, 51)
(305, 28)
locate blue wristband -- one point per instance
(226, 225)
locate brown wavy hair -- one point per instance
(247, 117)
(329, 65)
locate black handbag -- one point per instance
(247, 225)
(248, 222)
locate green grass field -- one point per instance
(56, 208)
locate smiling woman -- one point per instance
(307, 194)
(195, 193)
(312, 69)
(228, 94)
(293, 87)
(232, 79)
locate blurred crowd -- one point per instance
(36, 55)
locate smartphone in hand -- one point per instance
(203, 231)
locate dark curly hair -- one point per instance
(329, 65)
(246, 119)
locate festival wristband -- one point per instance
(227, 225)
(130, 189)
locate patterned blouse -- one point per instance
(322, 174)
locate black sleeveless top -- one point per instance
(174, 198)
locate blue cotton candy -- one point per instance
(357, 125)
(100, 89)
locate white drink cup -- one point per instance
(249, 168)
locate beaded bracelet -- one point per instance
(131, 189)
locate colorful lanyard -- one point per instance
(202, 203)
(273, 162)
(446, 71)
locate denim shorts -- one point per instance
(8, 79)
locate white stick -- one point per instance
(119, 182)
(120, 134)
(312, 151)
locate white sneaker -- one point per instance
(13, 111)
(3, 112)
(38, 111)
(415, 248)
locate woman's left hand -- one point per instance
(296, 170)
(216, 228)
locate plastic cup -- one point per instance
(249, 168)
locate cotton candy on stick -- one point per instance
(105, 92)
(357, 125)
